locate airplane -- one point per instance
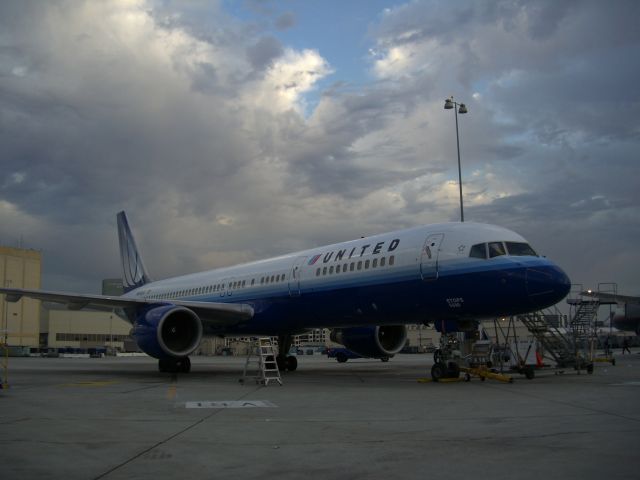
(366, 291)
(627, 315)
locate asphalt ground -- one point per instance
(119, 418)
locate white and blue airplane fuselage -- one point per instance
(366, 290)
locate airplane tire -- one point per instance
(291, 363)
(341, 357)
(438, 371)
(184, 365)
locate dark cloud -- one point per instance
(285, 21)
(198, 124)
(264, 52)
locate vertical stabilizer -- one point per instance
(134, 274)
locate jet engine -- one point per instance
(373, 342)
(167, 331)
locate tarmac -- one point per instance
(119, 418)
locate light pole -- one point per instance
(461, 108)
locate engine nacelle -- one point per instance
(167, 331)
(372, 342)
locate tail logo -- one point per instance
(134, 274)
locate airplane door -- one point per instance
(295, 275)
(228, 291)
(429, 257)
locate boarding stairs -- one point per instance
(555, 341)
(583, 327)
(261, 364)
(584, 319)
(572, 346)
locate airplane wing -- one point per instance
(613, 297)
(214, 313)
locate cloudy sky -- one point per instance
(230, 131)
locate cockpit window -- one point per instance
(520, 249)
(478, 251)
(496, 249)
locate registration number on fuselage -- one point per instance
(455, 302)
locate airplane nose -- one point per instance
(547, 285)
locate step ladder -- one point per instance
(261, 364)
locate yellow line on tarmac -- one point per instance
(442, 380)
(101, 383)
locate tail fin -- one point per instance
(134, 274)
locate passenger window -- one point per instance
(374, 264)
(392, 260)
(366, 264)
(337, 268)
(479, 251)
(331, 270)
(352, 267)
(496, 249)
(360, 265)
(318, 272)
(520, 249)
(324, 270)
(382, 261)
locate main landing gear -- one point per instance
(174, 365)
(285, 362)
